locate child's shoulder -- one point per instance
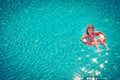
(86, 35)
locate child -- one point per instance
(91, 37)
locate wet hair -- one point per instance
(90, 26)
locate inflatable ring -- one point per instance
(100, 35)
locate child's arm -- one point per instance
(83, 38)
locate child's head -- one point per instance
(90, 29)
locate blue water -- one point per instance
(39, 40)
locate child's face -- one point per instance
(90, 31)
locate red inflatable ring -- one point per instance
(100, 35)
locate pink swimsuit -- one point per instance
(91, 38)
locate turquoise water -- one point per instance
(39, 40)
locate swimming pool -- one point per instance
(40, 40)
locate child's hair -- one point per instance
(88, 27)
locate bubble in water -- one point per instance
(106, 53)
(83, 69)
(106, 61)
(79, 58)
(82, 50)
(97, 72)
(102, 65)
(87, 55)
(94, 60)
(77, 77)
